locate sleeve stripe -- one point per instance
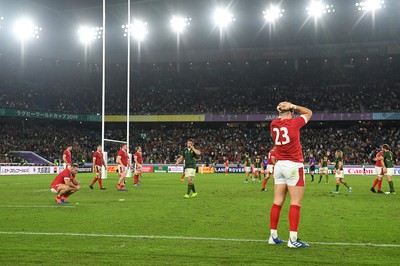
(304, 117)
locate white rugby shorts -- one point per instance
(289, 173)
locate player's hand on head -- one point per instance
(284, 106)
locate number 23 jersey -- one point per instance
(286, 136)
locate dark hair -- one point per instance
(385, 146)
(190, 140)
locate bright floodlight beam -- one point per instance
(25, 29)
(316, 9)
(273, 13)
(89, 34)
(138, 30)
(370, 5)
(223, 17)
(179, 24)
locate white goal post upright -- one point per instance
(128, 83)
(103, 103)
(103, 94)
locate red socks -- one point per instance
(375, 182)
(379, 184)
(294, 217)
(100, 182)
(94, 181)
(136, 179)
(274, 216)
(265, 182)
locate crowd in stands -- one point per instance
(218, 142)
(203, 87)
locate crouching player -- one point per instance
(339, 173)
(65, 184)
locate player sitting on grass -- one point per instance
(65, 184)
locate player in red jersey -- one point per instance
(138, 165)
(289, 169)
(65, 184)
(226, 167)
(67, 158)
(379, 172)
(123, 166)
(98, 162)
(270, 167)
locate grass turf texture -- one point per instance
(225, 208)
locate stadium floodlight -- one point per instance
(316, 9)
(26, 29)
(223, 17)
(179, 24)
(138, 30)
(273, 13)
(89, 34)
(370, 5)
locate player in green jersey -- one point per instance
(323, 168)
(247, 166)
(339, 173)
(258, 165)
(189, 154)
(388, 166)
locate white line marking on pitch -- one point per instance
(193, 238)
(22, 206)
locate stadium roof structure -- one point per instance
(60, 20)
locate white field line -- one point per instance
(24, 206)
(193, 238)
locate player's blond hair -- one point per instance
(339, 153)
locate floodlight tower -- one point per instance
(138, 30)
(223, 18)
(317, 9)
(25, 30)
(178, 25)
(370, 6)
(1, 21)
(271, 16)
(87, 35)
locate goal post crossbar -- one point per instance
(113, 140)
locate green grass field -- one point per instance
(227, 224)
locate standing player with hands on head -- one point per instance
(98, 162)
(289, 169)
(189, 154)
(123, 166)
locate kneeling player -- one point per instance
(339, 173)
(65, 184)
